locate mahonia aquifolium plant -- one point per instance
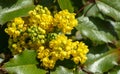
(45, 33)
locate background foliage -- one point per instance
(98, 27)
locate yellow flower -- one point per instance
(14, 46)
(18, 21)
(80, 51)
(14, 27)
(42, 17)
(76, 59)
(47, 63)
(65, 21)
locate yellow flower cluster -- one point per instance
(15, 27)
(16, 30)
(65, 21)
(62, 48)
(45, 33)
(41, 17)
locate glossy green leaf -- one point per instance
(110, 8)
(62, 70)
(115, 70)
(102, 63)
(24, 63)
(26, 57)
(92, 10)
(116, 26)
(20, 8)
(25, 69)
(88, 29)
(66, 4)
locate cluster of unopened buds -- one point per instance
(46, 34)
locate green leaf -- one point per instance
(62, 70)
(92, 10)
(26, 57)
(20, 8)
(104, 62)
(116, 26)
(88, 29)
(28, 69)
(66, 4)
(110, 8)
(24, 63)
(115, 70)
